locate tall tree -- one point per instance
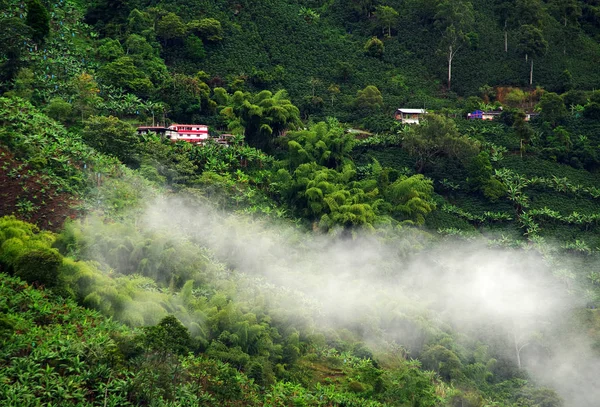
(453, 19)
(362, 7)
(532, 44)
(568, 13)
(505, 10)
(13, 35)
(112, 136)
(387, 17)
(38, 19)
(515, 13)
(528, 12)
(552, 108)
(86, 94)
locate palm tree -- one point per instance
(153, 108)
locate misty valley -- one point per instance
(324, 203)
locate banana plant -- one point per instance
(575, 218)
(449, 185)
(566, 276)
(497, 216)
(531, 227)
(560, 184)
(593, 191)
(580, 246)
(546, 212)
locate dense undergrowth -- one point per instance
(452, 263)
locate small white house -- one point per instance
(491, 115)
(410, 116)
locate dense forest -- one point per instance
(325, 255)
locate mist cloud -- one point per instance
(367, 283)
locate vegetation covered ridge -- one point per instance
(313, 249)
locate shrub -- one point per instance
(207, 28)
(39, 267)
(59, 110)
(592, 111)
(356, 387)
(168, 336)
(574, 98)
(374, 47)
(494, 189)
(6, 327)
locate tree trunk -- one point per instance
(450, 56)
(531, 73)
(505, 37)
(565, 38)
(518, 352)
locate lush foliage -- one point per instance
(121, 307)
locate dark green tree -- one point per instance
(139, 48)
(110, 49)
(362, 8)
(112, 136)
(505, 11)
(123, 73)
(14, 34)
(59, 109)
(567, 12)
(532, 44)
(437, 136)
(187, 96)
(552, 108)
(442, 360)
(528, 12)
(522, 129)
(369, 99)
(194, 48)
(387, 17)
(170, 28)
(453, 19)
(481, 177)
(139, 22)
(38, 19)
(169, 336)
(565, 82)
(24, 84)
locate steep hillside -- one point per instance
(312, 250)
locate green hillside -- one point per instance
(325, 254)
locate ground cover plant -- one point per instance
(314, 251)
